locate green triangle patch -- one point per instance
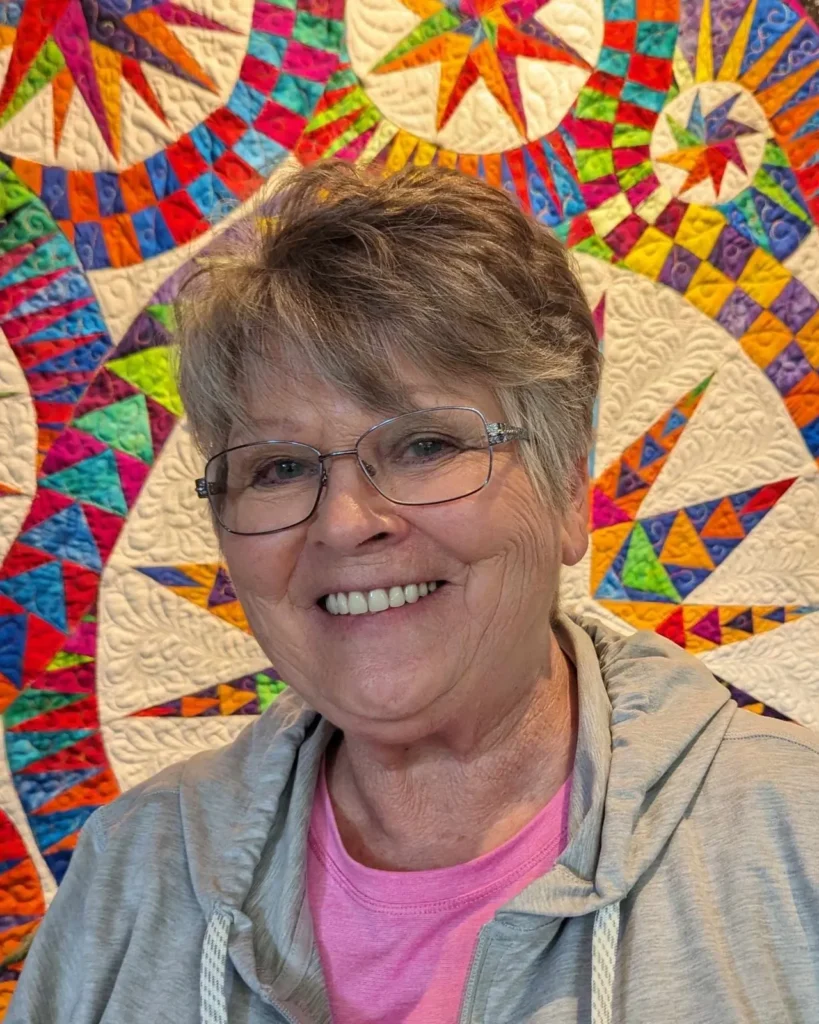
(768, 186)
(643, 570)
(124, 425)
(164, 314)
(684, 138)
(43, 69)
(32, 703)
(745, 203)
(151, 371)
(94, 480)
(268, 689)
(64, 659)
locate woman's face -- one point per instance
(406, 673)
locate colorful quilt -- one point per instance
(673, 145)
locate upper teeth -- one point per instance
(356, 602)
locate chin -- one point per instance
(391, 710)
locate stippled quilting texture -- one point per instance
(672, 144)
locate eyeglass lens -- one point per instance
(420, 458)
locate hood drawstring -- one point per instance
(212, 1000)
(605, 939)
(213, 1003)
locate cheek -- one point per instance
(260, 567)
(504, 528)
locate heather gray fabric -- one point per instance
(699, 819)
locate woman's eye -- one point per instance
(429, 448)
(426, 447)
(281, 471)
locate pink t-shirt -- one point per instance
(396, 946)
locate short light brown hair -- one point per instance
(351, 276)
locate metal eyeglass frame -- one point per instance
(496, 433)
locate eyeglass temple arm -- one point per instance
(204, 489)
(500, 433)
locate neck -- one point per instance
(436, 804)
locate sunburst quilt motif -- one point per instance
(478, 40)
(91, 46)
(707, 144)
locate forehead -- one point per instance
(314, 411)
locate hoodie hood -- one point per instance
(651, 719)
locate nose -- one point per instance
(351, 512)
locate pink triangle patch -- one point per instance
(604, 512)
(132, 474)
(708, 627)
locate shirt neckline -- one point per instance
(430, 890)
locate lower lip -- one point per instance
(390, 615)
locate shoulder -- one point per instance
(759, 749)
(156, 799)
(762, 790)
(222, 777)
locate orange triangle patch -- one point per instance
(98, 790)
(232, 613)
(68, 842)
(723, 523)
(683, 546)
(193, 706)
(8, 693)
(20, 892)
(231, 699)
(606, 545)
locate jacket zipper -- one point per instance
(284, 1014)
(475, 965)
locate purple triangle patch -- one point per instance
(222, 591)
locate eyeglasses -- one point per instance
(425, 457)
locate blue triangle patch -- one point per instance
(25, 748)
(743, 621)
(752, 519)
(633, 594)
(651, 451)
(686, 579)
(76, 324)
(777, 615)
(49, 829)
(676, 419)
(12, 647)
(719, 548)
(657, 529)
(66, 535)
(58, 863)
(37, 788)
(169, 576)
(39, 591)
(628, 481)
(611, 588)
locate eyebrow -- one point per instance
(273, 427)
(284, 428)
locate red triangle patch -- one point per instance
(766, 497)
(87, 753)
(104, 526)
(42, 643)
(82, 715)
(673, 628)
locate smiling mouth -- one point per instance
(373, 602)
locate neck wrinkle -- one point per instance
(468, 806)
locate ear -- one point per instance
(574, 534)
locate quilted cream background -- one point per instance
(673, 145)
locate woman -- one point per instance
(469, 808)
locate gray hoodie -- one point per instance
(688, 891)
